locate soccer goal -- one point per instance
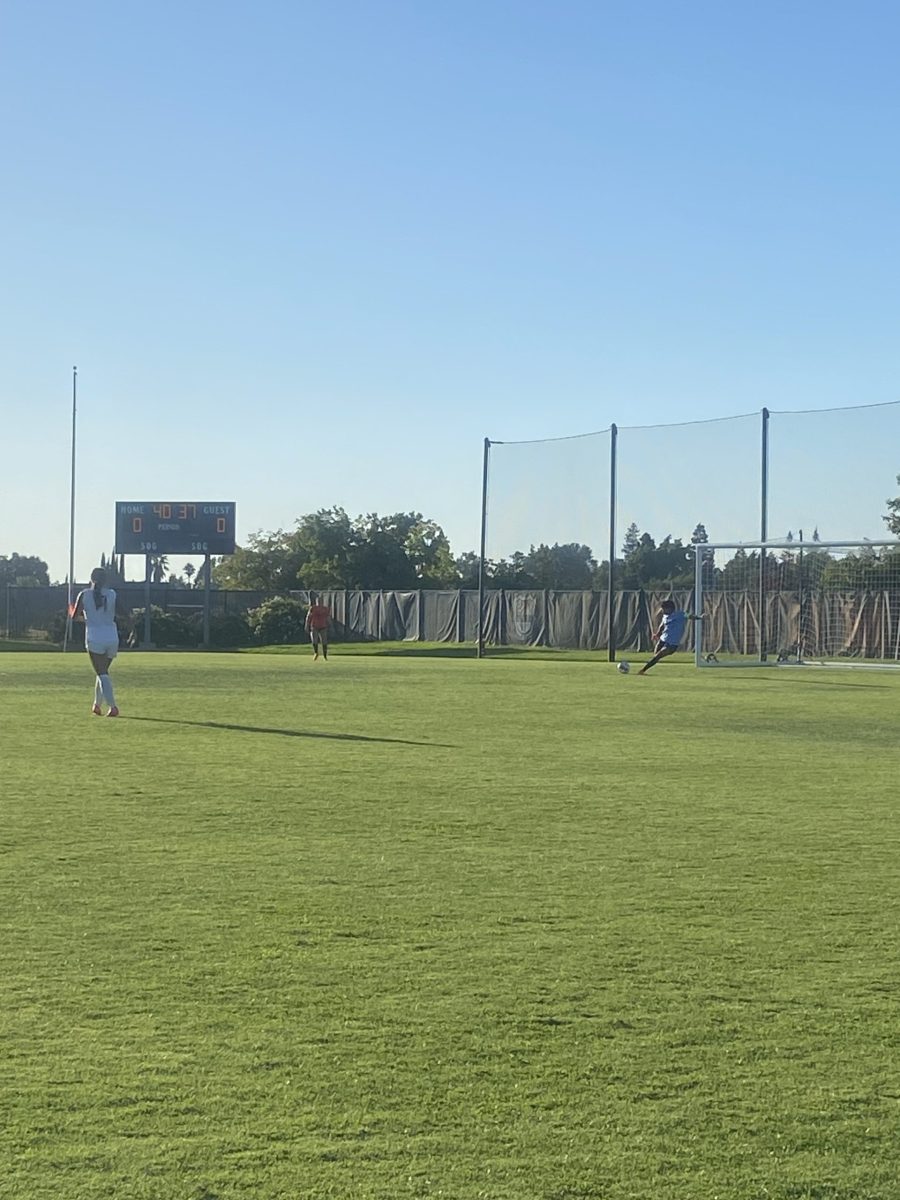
(798, 603)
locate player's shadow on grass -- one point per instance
(300, 733)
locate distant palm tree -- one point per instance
(190, 571)
(159, 564)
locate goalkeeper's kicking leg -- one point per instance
(663, 650)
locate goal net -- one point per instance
(798, 602)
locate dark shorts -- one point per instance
(669, 645)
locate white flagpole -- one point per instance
(70, 598)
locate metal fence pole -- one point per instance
(484, 492)
(67, 636)
(763, 531)
(207, 579)
(147, 569)
(613, 446)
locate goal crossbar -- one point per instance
(784, 544)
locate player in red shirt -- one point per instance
(318, 617)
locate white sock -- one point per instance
(106, 684)
(98, 691)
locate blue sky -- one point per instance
(310, 254)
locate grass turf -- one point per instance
(410, 926)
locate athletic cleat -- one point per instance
(96, 710)
(113, 712)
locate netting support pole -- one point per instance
(67, 636)
(481, 572)
(207, 587)
(801, 602)
(698, 604)
(763, 531)
(611, 605)
(147, 627)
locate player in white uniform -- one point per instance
(96, 606)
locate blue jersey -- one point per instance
(673, 627)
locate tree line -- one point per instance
(405, 551)
(23, 570)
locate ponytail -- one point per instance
(98, 578)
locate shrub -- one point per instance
(56, 630)
(167, 629)
(173, 629)
(228, 629)
(278, 622)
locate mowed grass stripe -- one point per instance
(403, 926)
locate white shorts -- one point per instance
(110, 649)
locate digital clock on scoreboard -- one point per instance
(174, 527)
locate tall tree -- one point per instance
(159, 564)
(429, 552)
(511, 573)
(379, 558)
(892, 520)
(636, 569)
(570, 566)
(268, 563)
(632, 540)
(650, 566)
(114, 569)
(708, 557)
(329, 550)
(466, 566)
(322, 549)
(23, 570)
(735, 573)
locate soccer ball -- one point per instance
(624, 667)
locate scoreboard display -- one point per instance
(174, 527)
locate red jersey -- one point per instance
(317, 618)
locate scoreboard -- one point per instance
(175, 527)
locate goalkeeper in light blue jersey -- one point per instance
(670, 633)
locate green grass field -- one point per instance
(419, 926)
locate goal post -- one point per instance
(796, 602)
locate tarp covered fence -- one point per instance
(867, 621)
